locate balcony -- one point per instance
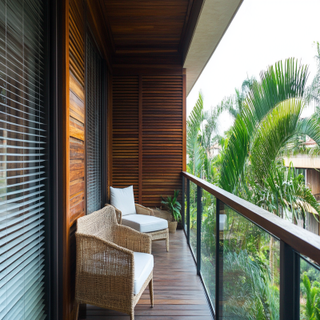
(249, 260)
(197, 275)
(100, 102)
(177, 288)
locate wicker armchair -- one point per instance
(155, 235)
(108, 270)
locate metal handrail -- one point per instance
(302, 241)
(295, 243)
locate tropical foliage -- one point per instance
(271, 111)
(173, 205)
(313, 91)
(312, 293)
(267, 126)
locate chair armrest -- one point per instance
(118, 213)
(103, 269)
(93, 251)
(131, 239)
(143, 210)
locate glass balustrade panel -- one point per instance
(309, 290)
(249, 269)
(185, 225)
(208, 244)
(193, 218)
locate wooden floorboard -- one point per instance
(178, 290)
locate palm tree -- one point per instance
(194, 149)
(296, 144)
(312, 92)
(269, 119)
(234, 103)
(201, 126)
(283, 191)
(279, 84)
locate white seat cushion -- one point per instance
(143, 265)
(123, 199)
(144, 223)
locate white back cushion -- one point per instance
(123, 199)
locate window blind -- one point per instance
(22, 159)
(93, 125)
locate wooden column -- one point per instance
(74, 148)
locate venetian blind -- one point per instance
(93, 125)
(22, 159)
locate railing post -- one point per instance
(182, 203)
(289, 283)
(188, 212)
(217, 306)
(199, 218)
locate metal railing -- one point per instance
(243, 253)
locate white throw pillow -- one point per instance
(123, 199)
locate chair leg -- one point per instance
(151, 293)
(167, 243)
(132, 315)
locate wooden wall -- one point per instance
(125, 133)
(313, 181)
(74, 144)
(148, 130)
(76, 110)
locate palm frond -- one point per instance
(310, 127)
(193, 124)
(312, 92)
(279, 83)
(274, 131)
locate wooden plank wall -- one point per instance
(148, 118)
(125, 133)
(75, 144)
(313, 181)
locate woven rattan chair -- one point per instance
(156, 235)
(113, 263)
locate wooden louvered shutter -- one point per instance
(76, 117)
(93, 125)
(162, 136)
(22, 159)
(125, 139)
(75, 148)
(148, 134)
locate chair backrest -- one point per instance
(99, 223)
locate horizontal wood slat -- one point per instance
(77, 147)
(76, 87)
(76, 187)
(76, 132)
(76, 40)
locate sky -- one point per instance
(261, 33)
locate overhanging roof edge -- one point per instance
(214, 19)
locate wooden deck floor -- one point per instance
(178, 291)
